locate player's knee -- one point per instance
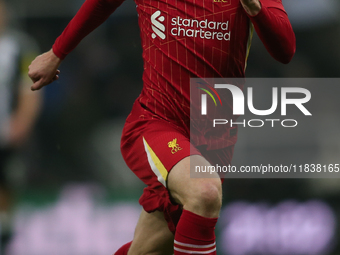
(207, 196)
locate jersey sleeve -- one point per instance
(91, 15)
(275, 31)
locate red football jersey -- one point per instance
(183, 39)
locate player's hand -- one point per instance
(252, 7)
(44, 70)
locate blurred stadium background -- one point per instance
(73, 194)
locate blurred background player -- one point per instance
(159, 117)
(19, 107)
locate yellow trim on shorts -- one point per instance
(156, 165)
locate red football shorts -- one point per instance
(151, 147)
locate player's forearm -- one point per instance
(275, 31)
(92, 14)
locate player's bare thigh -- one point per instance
(203, 195)
(152, 236)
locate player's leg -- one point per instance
(152, 235)
(202, 196)
(143, 146)
(201, 199)
(152, 150)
